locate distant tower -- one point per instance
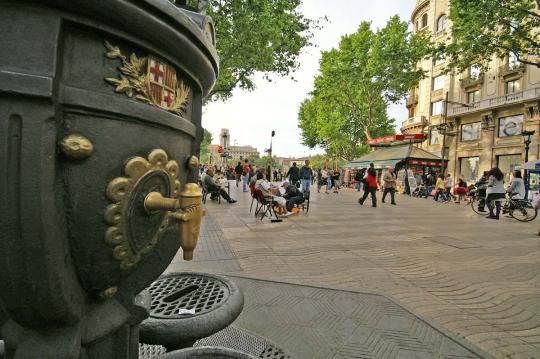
(225, 138)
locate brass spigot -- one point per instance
(186, 210)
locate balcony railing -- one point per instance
(510, 69)
(472, 80)
(416, 120)
(495, 102)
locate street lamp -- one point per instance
(269, 169)
(527, 140)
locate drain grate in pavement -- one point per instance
(453, 242)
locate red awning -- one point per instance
(397, 139)
(428, 163)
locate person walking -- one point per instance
(358, 177)
(294, 175)
(440, 187)
(495, 192)
(389, 180)
(238, 170)
(516, 188)
(335, 181)
(371, 188)
(481, 187)
(448, 184)
(245, 174)
(306, 175)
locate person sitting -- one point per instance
(264, 186)
(211, 186)
(461, 190)
(292, 195)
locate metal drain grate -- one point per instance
(240, 339)
(147, 351)
(189, 293)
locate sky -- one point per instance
(251, 116)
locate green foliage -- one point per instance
(205, 151)
(482, 29)
(357, 82)
(257, 36)
(264, 161)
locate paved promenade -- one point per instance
(471, 277)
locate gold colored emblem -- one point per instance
(76, 147)
(124, 192)
(150, 80)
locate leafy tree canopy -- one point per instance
(484, 28)
(254, 36)
(357, 82)
(205, 151)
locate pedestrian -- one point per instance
(516, 188)
(439, 187)
(448, 184)
(238, 170)
(358, 177)
(306, 175)
(245, 174)
(329, 180)
(389, 180)
(336, 181)
(481, 187)
(495, 192)
(294, 175)
(371, 188)
(461, 190)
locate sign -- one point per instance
(413, 137)
(428, 163)
(220, 149)
(400, 178)
(411, 180)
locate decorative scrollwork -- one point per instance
(127, 196)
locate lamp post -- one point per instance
(269, 168)
(527, 140)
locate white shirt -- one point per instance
(517, 186)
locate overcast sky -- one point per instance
(251, 116)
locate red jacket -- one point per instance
(372, 181)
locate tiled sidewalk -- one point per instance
(476, 278)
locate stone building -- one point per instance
(486, 113)
(234, 152)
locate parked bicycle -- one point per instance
(520, 209)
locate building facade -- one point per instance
(234, 152)
(486, 112)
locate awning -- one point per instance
(390, 156)
(397, 140)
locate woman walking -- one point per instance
(495, 192)
(439, 187)
(371, 188)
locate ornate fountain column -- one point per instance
(100, 109)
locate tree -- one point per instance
(205, 150)
(357, 82)
(256, 36)
(484, 28)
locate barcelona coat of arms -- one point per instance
(149, 79)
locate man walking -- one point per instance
(293, 174)
(238, 172)
(306, 175)
(389, 180)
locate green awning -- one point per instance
(390, 156)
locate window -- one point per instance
(438, 83)
(470, 131)
(513, 61)
(507, 164)
(424, 20)
(439, 61)
(441, 22)
(436, 108)
(468, 168)
(434, 136)
(512, 86)
(474, 72)
(473, 96)
(510, 126)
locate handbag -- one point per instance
(434, 192)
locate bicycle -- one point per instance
(520, 209)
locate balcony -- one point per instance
(413, 122)
(495, 102)
(412, 99)
(511, 69)
(472, 80)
